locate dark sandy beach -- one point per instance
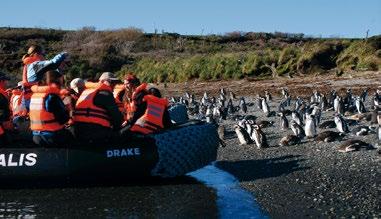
(306, 180)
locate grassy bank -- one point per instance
(175, 58)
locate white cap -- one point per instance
(77, 83)
(108, 76)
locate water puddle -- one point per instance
(232, 200)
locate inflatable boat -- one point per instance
(171, 153)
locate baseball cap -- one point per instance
(108, 76)
(77, 83)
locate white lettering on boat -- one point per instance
(13, 160)
(124, 152)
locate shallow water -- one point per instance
(207, 193)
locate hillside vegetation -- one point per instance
(175, 58)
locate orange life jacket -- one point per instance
(27, 85)
(4, 125)
(27, 61)
(40, 119)
(85, 110)
(130, 107)
(152, 120)
(118, 91)
(15, 103)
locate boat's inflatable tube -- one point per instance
(171, 153)
(178, 113)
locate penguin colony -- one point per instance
(300, 117)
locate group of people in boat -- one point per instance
(90, 113)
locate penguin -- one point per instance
(242, 135)
(259, 137)
(332, 97)
(297, 129)
(259, 102)
(248, 128)
(242, 123)
(310, 126)
(295, 115)
(324, 103)
(222, 91)
(209, 111)
(329, 136)
(205, 96)
(216, 112)
(289, 140)
(354, 145)
(328, 124)
(268, 96)
(348, 98)
(364, 94)
(232, 95)
(316, 111)
(298, 103)
(283, 121)
(230, 107)
(221, 132)
(359, 105)
(192, 99)
(242, 105)
(187, 95)
(222, 99)
(265, 107)
(341, 124)
(338, 105)
(377, 99)
(284, 92)
(209, 119)
(373, 119)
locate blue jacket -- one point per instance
(36, 70)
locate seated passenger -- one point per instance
(96, 114)
(155, 117)
(48, 114)
(71, 95)
(134, 104)
(5, 114)
(118, 92)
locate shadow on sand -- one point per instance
(250, 170)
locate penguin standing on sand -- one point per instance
(283, 121)
(316, 111)
(297, 129)
(265, 107)
(268, 96)
(310, 127)
(242, 105)
(295, 115)
(242, 135)
(259, 102)
(323, 103)
(364, 94)
(332, 97)
(230, 107)
(341, 124)
(338, 105)
(360, 105)
(259, 137)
